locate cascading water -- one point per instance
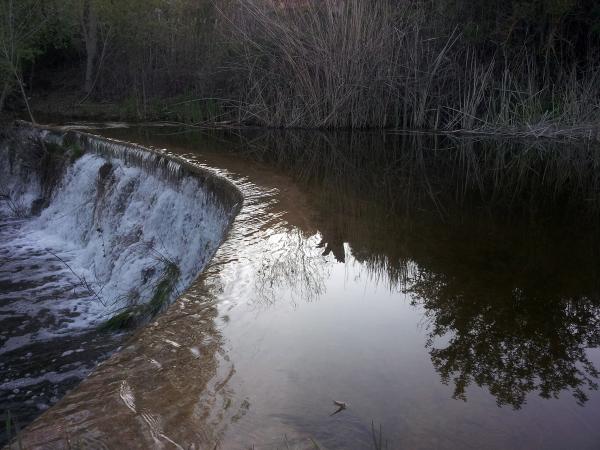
(123, 232)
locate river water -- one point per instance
(447, 291)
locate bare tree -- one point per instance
(21, 23)
(89, 29)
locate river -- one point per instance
(447, 291)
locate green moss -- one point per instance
(55, 153)
(122, 321)
(128, 318)
(54, 149)
(76, 151)
(164, 289)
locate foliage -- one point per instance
(564, 27)
(28, 28)
(515, 67)
(20, 28)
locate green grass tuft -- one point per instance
(122, 321)
(164, 289)
(133, 315)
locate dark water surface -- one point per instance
(448, 291)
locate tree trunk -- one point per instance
(23, 94)
(3, 96)
(90, 35)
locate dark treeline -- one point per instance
(513, 66)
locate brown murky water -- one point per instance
(448, 292)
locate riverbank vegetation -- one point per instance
(517, 67)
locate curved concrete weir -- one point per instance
(95, 234)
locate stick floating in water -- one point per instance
(340, 405)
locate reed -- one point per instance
(360, 64)
(326, 64)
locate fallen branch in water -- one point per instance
(83, 282)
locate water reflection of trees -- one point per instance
(407, 173)
(496, 241)
(512, 309)
(492, 241)
(514, 350)
(515, 322)
(291, 266)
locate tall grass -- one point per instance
(518, 98)
(327, 64)
(365, 64)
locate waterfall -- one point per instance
(118, 218)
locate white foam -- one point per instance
(111, 234)
(17, 183)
